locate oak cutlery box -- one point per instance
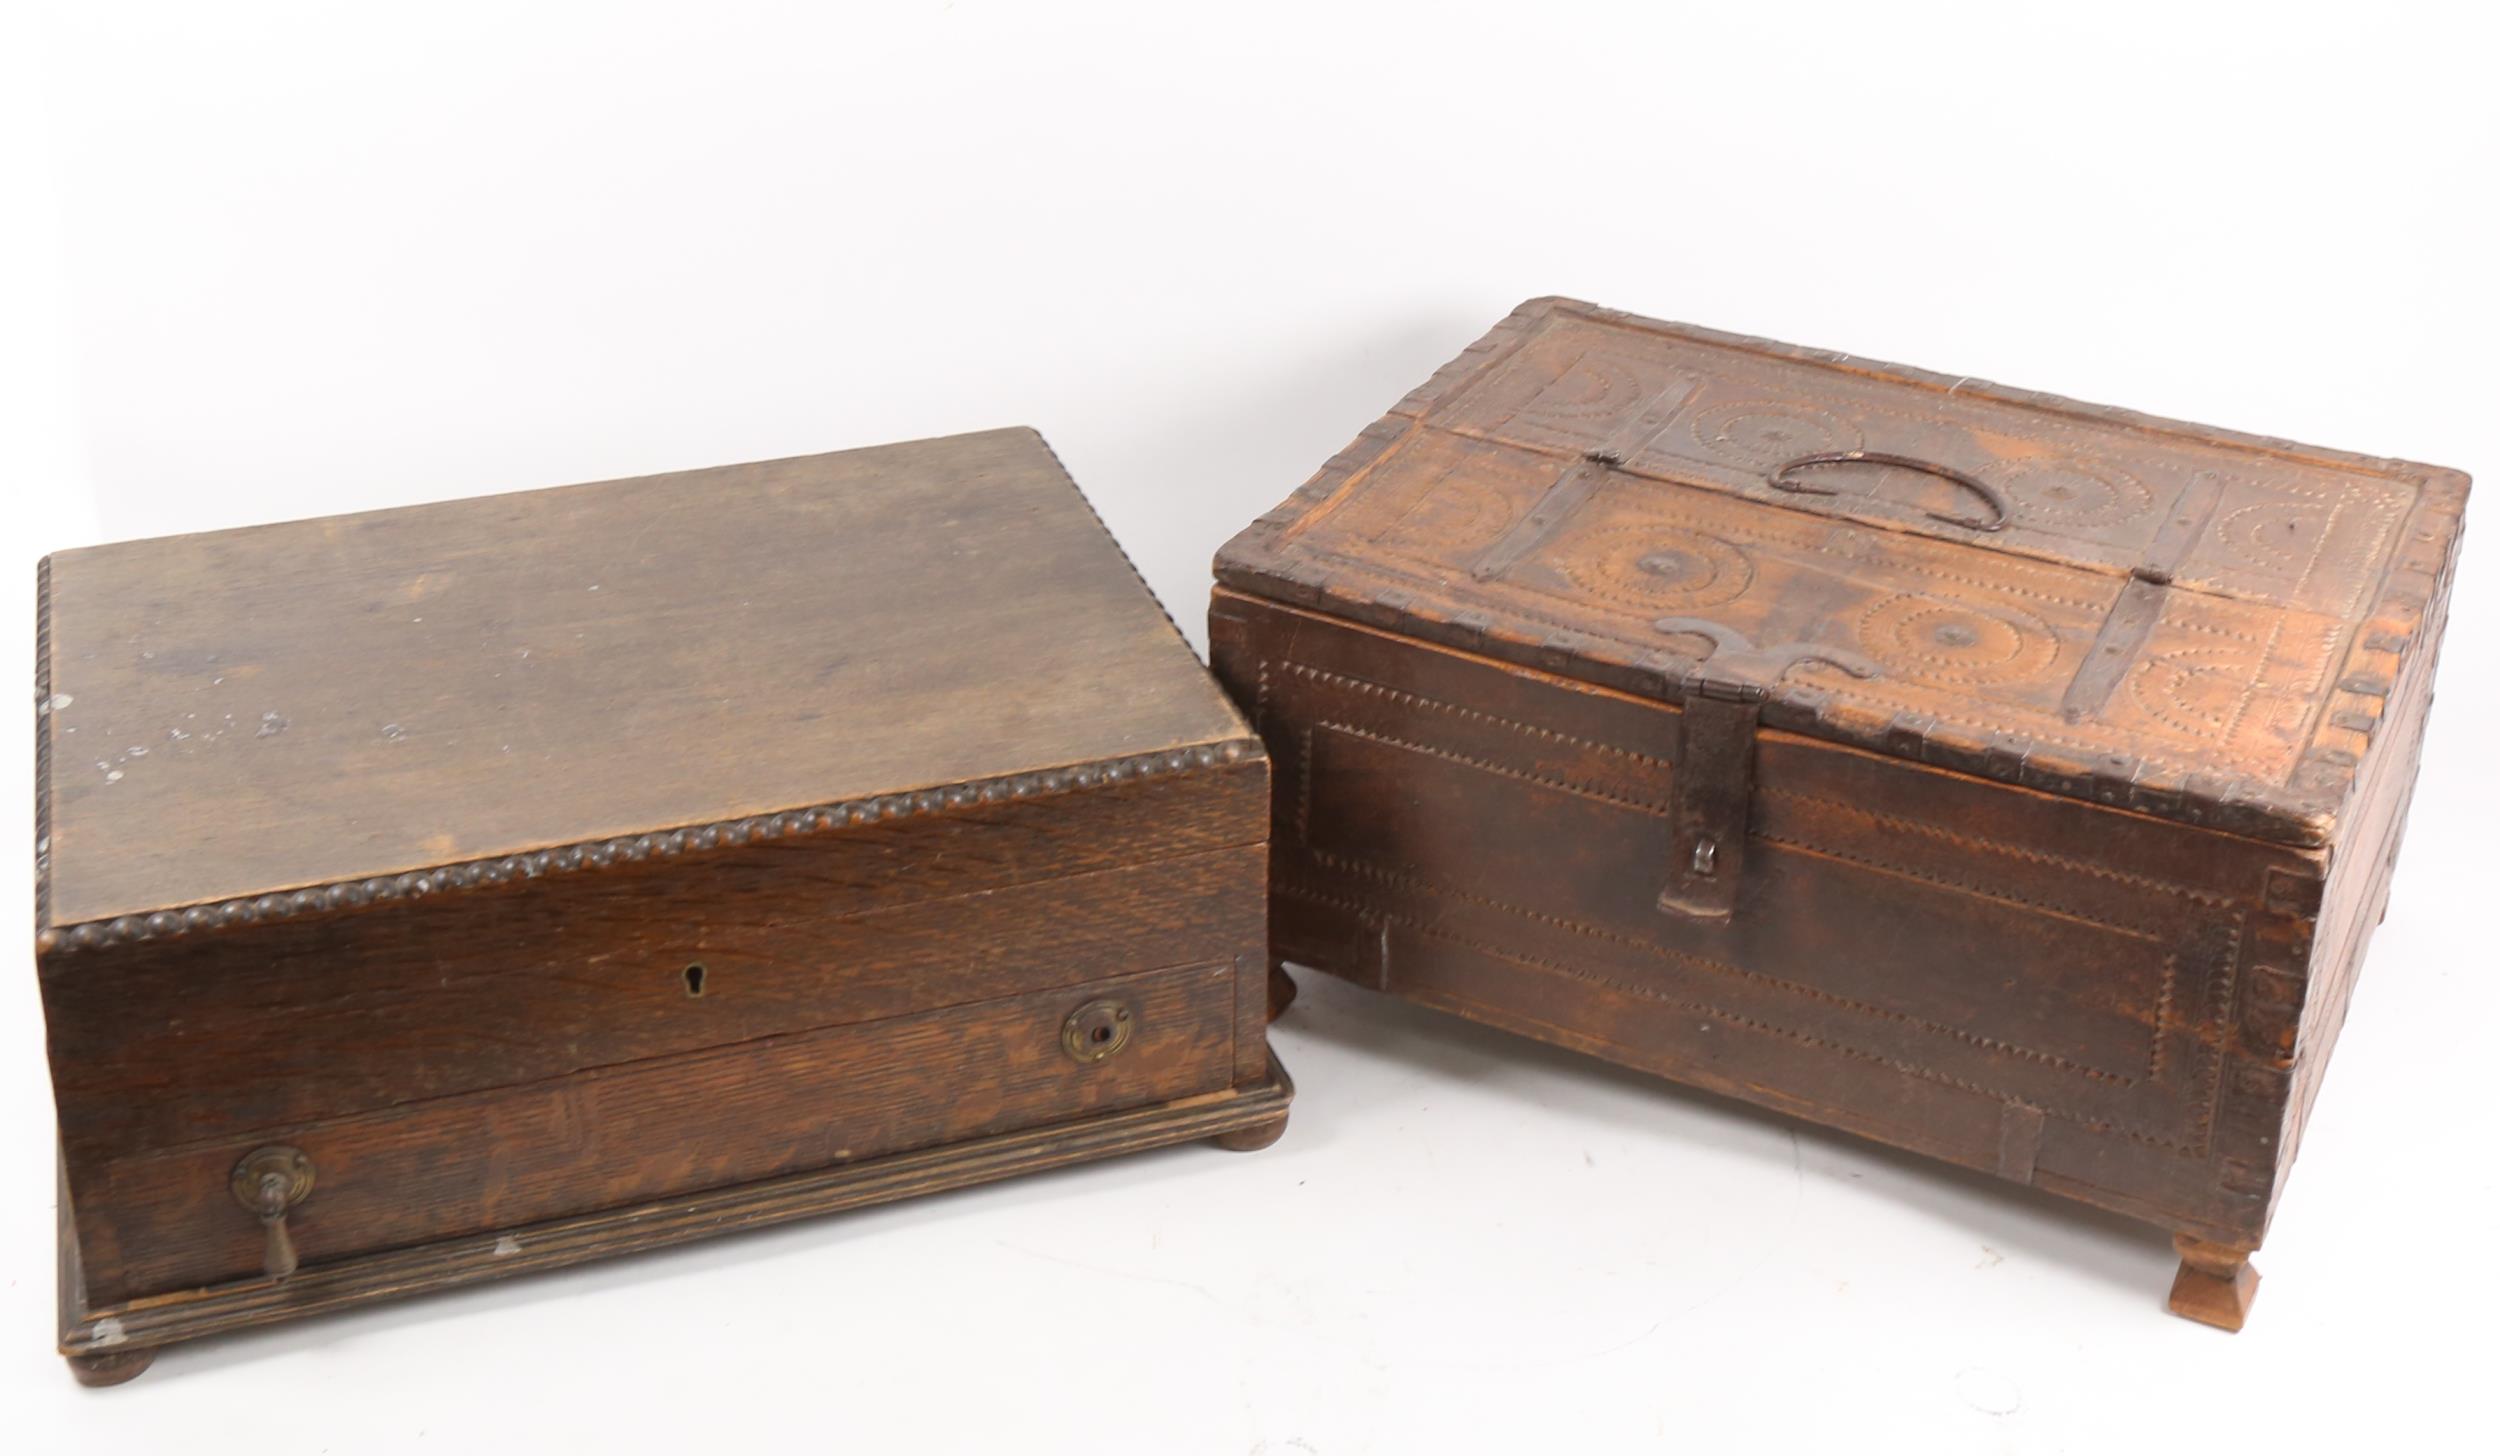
(432, 894)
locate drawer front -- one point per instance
(202, 1038)
(499, 1160)
(2013, 981)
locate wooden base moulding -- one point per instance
(110, 1344)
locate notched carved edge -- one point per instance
(43, 741)
(2402, 625)
(625, 849)
(2386, 639)
(2442, 481)
(1068, 478)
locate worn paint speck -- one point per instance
(271, 725)
(507, 1246)
(57, 702)
(109, 1332)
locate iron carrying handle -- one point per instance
(1784, 479)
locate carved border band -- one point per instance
(626, 849)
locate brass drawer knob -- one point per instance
(1096, 1031)
(268, 1182)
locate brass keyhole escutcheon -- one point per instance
(1096, 1031)
(268, 1182)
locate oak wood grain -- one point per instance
(117, 1338)
(253, 710)
(173, 1042)
(731, 1114)
(741, 841)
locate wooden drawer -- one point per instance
(547, 974)
(477, 1163)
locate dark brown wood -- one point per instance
(1252, 1138)
(2048, 761)
(733, 1114)
(625, 940)
(136, 1331)
(605, 847)
(1280, 991)
(116, 1368)
(370, 695)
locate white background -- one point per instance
(271, 261)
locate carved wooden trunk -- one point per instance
(1996, 776)
(439, 893)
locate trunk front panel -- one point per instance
(1999, 977)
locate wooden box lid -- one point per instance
(327, 710)
(2169, 617)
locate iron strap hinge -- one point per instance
(1712, 763)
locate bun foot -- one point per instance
(111, 1369)
(1252, 1138)
(1280, 991)
(2216, 1283)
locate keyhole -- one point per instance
(1101, 1034)
(694, 979)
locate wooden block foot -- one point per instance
(1280, 991)
(2216, 1283)
(111, 1369)
(1252, 1138)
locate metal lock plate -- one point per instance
(1713, 783)
(1713, 761)
(271, 1180)
(1097, 1030)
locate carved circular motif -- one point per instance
(2273, 535)
(2073, 492)
(1945, 640)
(2193, 699)
(1765, 435)
(1596, 388)
(1653, 567)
